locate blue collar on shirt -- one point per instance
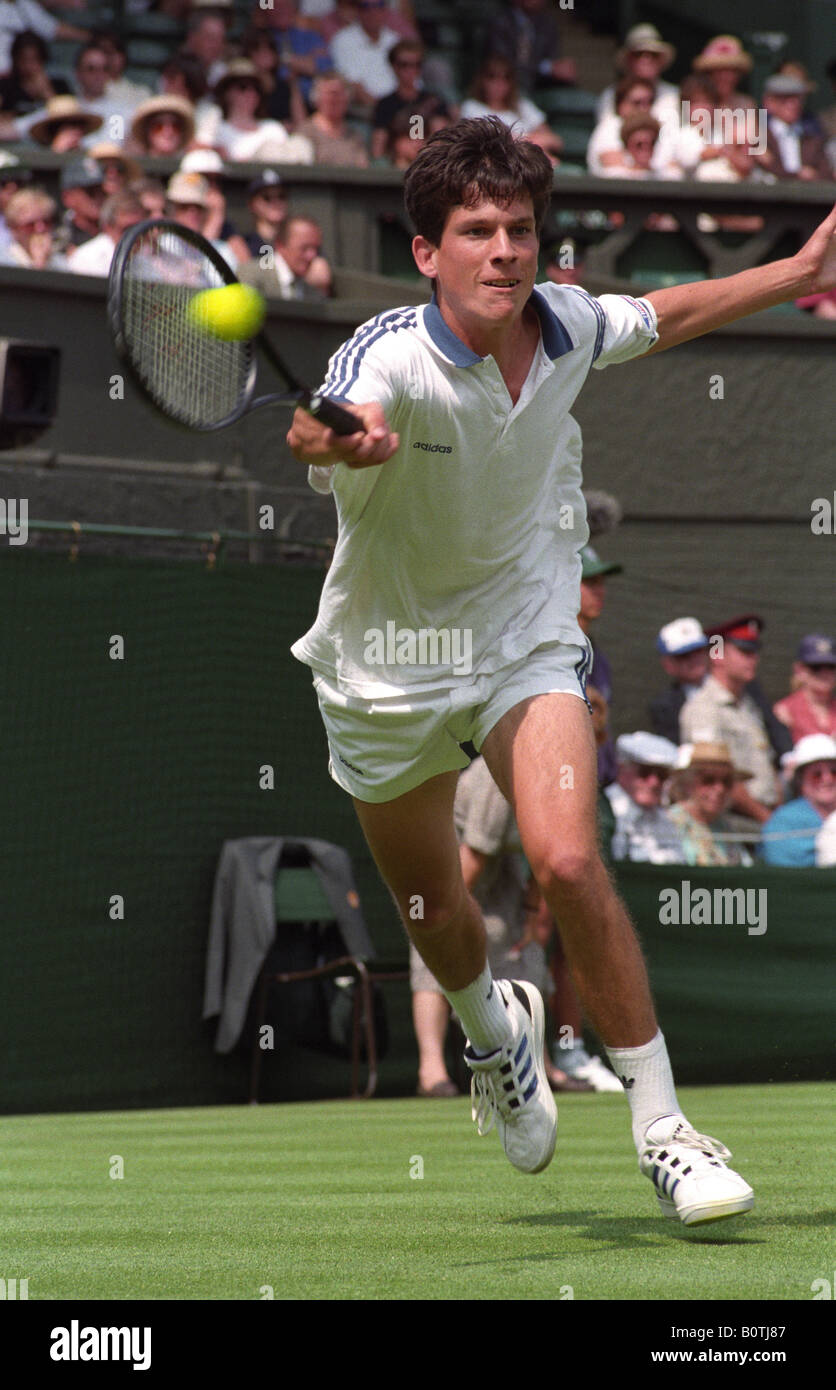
(556, 339)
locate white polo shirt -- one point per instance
(93, 257)
(476, 522)
(361, 59)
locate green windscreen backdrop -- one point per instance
(142, 701)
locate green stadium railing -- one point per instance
(365, 227)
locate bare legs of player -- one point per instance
(534, 751)
(414, 845)
(542, 756)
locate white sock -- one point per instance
(645, 1072)
(482, 1011)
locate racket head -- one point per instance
(192, 378)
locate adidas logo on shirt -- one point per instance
(432, 448)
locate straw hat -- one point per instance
(240, 69)
(107, 149)
(723, 52)
(58, 111)
(639, 120)
(645, 38)
(188, 188)
(162, 105)
(694, 756)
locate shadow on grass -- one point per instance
(634, 1232)
(637, 1232)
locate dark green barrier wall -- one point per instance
(125, 777)
(736, 1006)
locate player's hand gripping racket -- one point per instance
(190, 376)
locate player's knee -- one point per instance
(566, 869)
(427, 914)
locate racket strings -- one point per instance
(197, 378)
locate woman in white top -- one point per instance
(236, 126)
(645, 55)
(494, 92)
(639, 136)
(634, 96)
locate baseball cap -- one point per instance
(783, 84)
(82, 173)
(593, 565)
(744, 632)
(649, 749)
(12, 170)
(267, 179)
(816, 650)
(681, 636)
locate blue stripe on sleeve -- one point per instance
(599, 314)
(345, 365)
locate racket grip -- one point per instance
(330, 414)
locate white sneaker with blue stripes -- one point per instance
(689, 1172)
(510, 1087)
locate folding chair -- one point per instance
(301, 903)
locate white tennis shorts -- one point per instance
(380, 749)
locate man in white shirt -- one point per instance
(119, 212)
(361, 53)
(297, 245)
(449, 614)
(92, 82)
(295, 267)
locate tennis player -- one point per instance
(449, 614)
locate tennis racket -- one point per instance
(189, 376)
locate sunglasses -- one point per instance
(646, 772)
(818, 666)
(713, 779)
(821, 774)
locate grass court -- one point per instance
(324, 1201)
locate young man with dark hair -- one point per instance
(449, 614)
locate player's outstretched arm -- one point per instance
(688, 311)
(314, 443)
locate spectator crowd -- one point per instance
(350, 83)
(719, 777)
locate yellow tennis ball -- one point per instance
(232, 312)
